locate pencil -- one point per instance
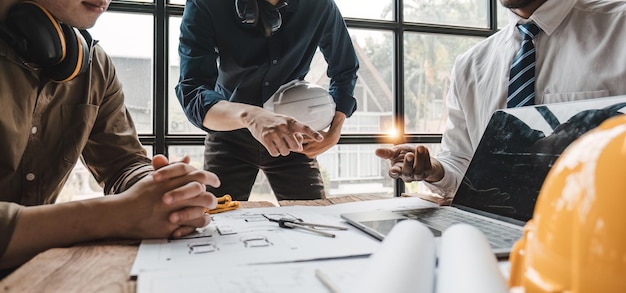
(327, 281)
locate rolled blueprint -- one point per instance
(405, 262)
(467, 263)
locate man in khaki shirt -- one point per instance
(51, 116)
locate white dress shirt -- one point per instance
(581, 54)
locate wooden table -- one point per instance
(105, 266)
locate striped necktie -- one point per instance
(522, 77)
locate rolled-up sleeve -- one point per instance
(343, 64)
(8, 218)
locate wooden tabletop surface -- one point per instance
(104, 266)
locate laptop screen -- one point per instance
(519, 147)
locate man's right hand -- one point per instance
(411, 163)
(279, 134)
(191, 216)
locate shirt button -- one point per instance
(33, 130)
(267, 83)
(30, 176)
(274, 61)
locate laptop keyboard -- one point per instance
(498, 235)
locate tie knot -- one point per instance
(528, 30)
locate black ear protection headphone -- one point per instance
(267, 18)
(63, 52)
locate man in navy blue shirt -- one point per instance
(233, 56)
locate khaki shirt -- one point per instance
(45, 127)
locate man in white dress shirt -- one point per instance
(579, 55)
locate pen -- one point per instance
(327, 281)
(297, 225)
(322, 226)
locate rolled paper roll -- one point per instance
(405, 262)
(467, 263)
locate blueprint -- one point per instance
(246, 236)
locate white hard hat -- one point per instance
(306, 102)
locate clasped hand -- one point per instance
(279, 134)
(171, 202)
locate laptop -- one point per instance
(500, 187)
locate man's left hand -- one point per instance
(312, 148)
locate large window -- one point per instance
(406, 50)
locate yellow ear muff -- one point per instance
(77, 60)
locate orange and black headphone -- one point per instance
(63, 52)
(268, 18)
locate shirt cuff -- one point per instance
(346, 105)
(445, 187)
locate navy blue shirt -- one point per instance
(222, 58)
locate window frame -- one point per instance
(160, 140)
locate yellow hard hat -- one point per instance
(576, 240)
